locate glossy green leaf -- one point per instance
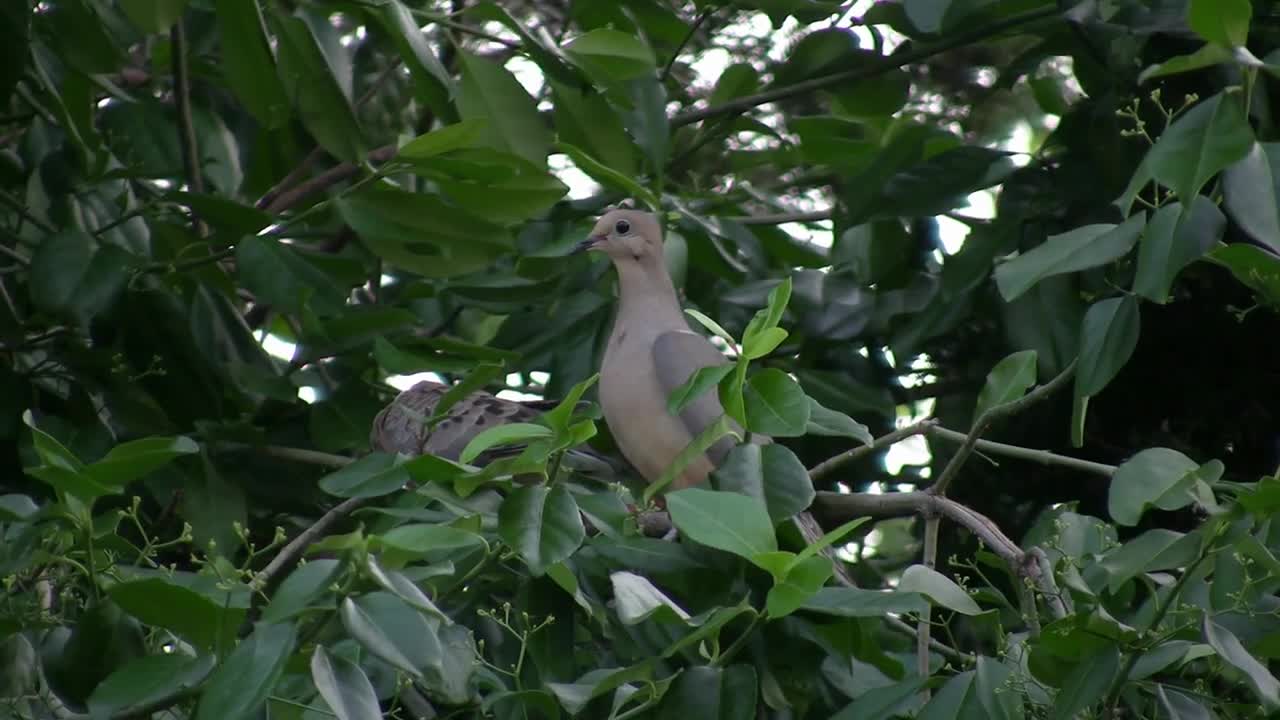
(501, 435)
(542, 524)
(432, 83)
(702, 380)
(1249, 193)
(1233, 652)
(487, 91)
(1108, 337)
(373, 475)
(403, 588)
(1087, 684)
(586, 122)
(301, 588)
(696, 448)
(939, 588)
(637, 599)
(147, 682)
(1155, 477)
(771, 473)
(1157, 549)
(1208, 138)
(421, 233)
(1225, 22)
(1080, 249)
(242, 682)
(802, 582)
(1008, 380)
(462, 134)
(248, 64)
(344, 687)
(1254, 267)
(1181, 706)
(1174, 239)
(153, 16)
(607, 176)
(775, 405)
(189, 614)
(312, 89)
(74, 275)
(825, 421)
(611, 55)
(1206, 56)
(723, 520)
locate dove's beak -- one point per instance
(589, 244)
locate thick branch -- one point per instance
(325, 180)
(889, 63)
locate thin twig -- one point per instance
(186, 127)
(990, 416)
(302, 455)
(325, 180)
(830, 465)
(693, 29)
(889, 63)
(960, 656)
(1043, 457)
(923, 626)
(783, 218)
(18, 207)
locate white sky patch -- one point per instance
(404, 382)
(527, 73)
(580, 184)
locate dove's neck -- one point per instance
(646, 296)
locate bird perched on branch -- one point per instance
(652, 351)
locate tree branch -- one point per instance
(826, 467)
(325, 180)
(990, 416)
(782, 218)
(1043, 457)
(693, 30)
(186, 127)
(889, 63)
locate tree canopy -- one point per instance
(1035, 241)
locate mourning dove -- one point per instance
(651, 351)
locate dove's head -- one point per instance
(626, 236)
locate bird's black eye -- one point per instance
(622, 227)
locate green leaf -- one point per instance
(637, 599)
(585, 122)
(702, 380)
(1080, 249)
(166, 604)
(939, 588)
(148, 682)
(1157, 549)
(132, 460)
(247, 62)
(775, 405)
(312, 89)
(542, 524)
(712, 693)
(421, 233)
(1232, 652)
(373, 475)
(802, 582)
(392, 630)
(1249, 192)
(825, 421)
(487, 91)
(499, 435)
(696, 448)
(1206, 56)
(723, 520)
(607, 176)
(1146, 480)
(560, 416)
(611, 56)
(344, 687)
(72, 274)
(306, 583)
(763, 334)
(153, 16)
(771, 473)
(277, 274)
(1008, 380)
(1181, 706)
(1108, 336)
(1225, 22)
(462, 134)
(432, 84)
(1206, 139)
(242, 682)
(857, 602)
(1087, 684)
(1174, 239)
(1256, 268)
